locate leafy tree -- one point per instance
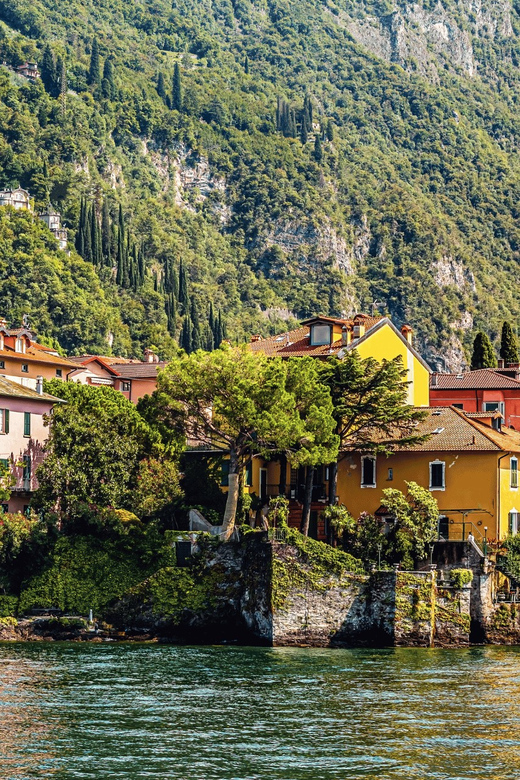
(370, 407)
(244, 403)
(417, 515)
(483, 353)
(95, 450)
(508, 345)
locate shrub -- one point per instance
(459, 578)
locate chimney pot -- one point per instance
(435, 380)
(407, 333)
(344, 336)
(39, 385)
(501, 363)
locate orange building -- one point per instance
(23, 360)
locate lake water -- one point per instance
(225, 713)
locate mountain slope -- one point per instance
(407, 204)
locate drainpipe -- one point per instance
(505, 455)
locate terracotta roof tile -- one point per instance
(139, 370)
(481, 379)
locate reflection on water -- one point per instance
(223, 713)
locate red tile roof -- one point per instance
(481, 379)
(138, 370)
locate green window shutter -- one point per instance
(26, 423)
(6, 420)
(224, 474)
(4, 462)
(26, 467)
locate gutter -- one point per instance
(505, 455)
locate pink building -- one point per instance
(22, 436)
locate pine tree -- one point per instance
(483, 353)
(48, 70)
(318, 152)
(508, 345)
(177, 89)
(94, 73)
(106, 234)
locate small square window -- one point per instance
(25, 368)
(125, 387)
(59, 372)
(2, 363)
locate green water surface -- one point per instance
(226, 713)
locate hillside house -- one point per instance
(24, 361)
(17, 199)
(133, 378)
(53, 221)
(29, 70)
(22, 437)
(375, 337)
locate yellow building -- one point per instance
(375, 337)
(469, 463)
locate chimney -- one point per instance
(255, 338)
(359, 329)
(435, 380)
(407, 332)
(39, 385)
(150, 357)
(501, 363)
(344, 336)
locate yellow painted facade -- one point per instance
(385, 342)
(473, 481)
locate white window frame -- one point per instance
(512, 522)
(513, 471)
(321, 343)
(20, 345)
(363, 459)
(437, 463)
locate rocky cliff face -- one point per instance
(424, 39)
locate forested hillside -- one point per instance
(264, 160)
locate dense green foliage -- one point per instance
(258, 143)
(483, 355)
(508, 345)
(101, 454)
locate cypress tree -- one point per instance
(87, 234)
(161, 89)
(303, 131)
(142, 266)
(185, 337)
(94, 73)
(211, 318)
(78, 242)
(318, 152)
(184, 299)
(48, 70)
(95, 238)
(108, 88)
(63, 87)
(106, 235)
(330, 130)
(177, 89)
(171, 314)
(508, 345)
(292, 124)
(155, 284)
(483, 354)
(246, 65)
(196, 340)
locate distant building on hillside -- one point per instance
(52, 219)
(29, 70)
(17, 199)
(133, 378)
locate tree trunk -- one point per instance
(307, 501)
(282, 486)
(333, 483)
(230, 513)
